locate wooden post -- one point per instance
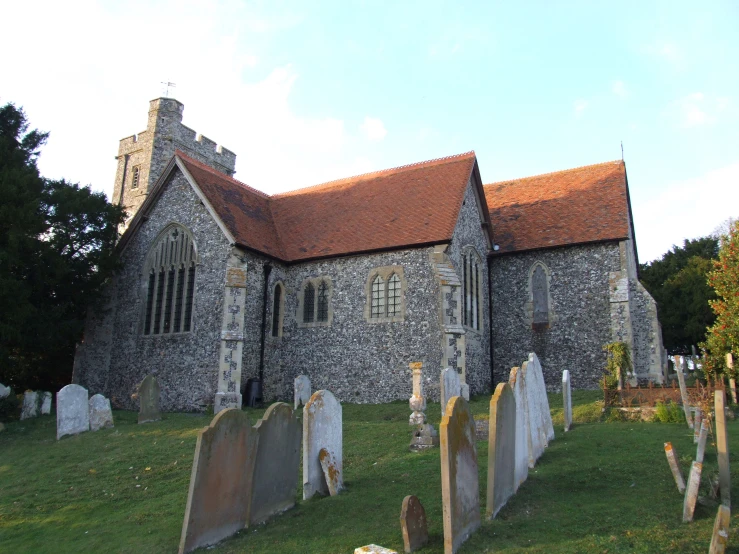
(722, 444)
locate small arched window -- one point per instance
(315, 301)
(170, 282)
(540, 296)
(472, 289)
(309, 298)
(378, 297)
(135, 177)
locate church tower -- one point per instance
(143, 157)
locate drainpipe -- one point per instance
(490, 322)
(267, 268)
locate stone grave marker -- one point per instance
(374, 549)
(5, 391)
(697, 424)
(221, 480)
(703, 435)
(72, 411)
(675, 466)
(302, 391)
(46, 404)
(732, 380)
(501, 449)
(537, 436)
(722, 444)
(534, 366)
(691, 492)
(277, 464)
(521, 470)
(567, 399)
(149, 400)
(450, 386)
(31, 404)
(459, 478)
(101, 416)
(464, 391)
(720, 536)
(413, 524)
(331, 472)
(322, 428)
(683, 389)
(425, 436)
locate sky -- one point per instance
(307, 92)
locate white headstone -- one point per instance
(101, 415)
(567, 398)
(537, 436)
(322, 428)
(541, 390)
(450, 386)
(302, 391)
(5, 391)
(46, 404)
(521, 471)
(30, 405)
(72, 411)
(464, 390)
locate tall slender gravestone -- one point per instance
(221, 481)
(46, 403)
(277, 464)
(72, 414)
(691, 492)
(732, 380)
(149, 400)
(322, 429)
(720, 536)
(459, 478)
(501, 449)
(425, 436)
(31, 404)
(537, 431)
(675, 467)
(450, 386)
(722, 444)
(683, 389)
(703, 435)
(536, 377)
(521, 471)
(302, 391)
(567, 399)
(232, 340)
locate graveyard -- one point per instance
(603, 486)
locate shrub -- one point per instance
(668, 413)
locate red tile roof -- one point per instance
(401, 207)
(585, 204)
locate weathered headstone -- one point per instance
(425, 436)
(720, 536)
(72, 411)
(302, 391)
(501, 449)
(46, 403)
(567, 399)
(221, 481)
(691, 492)
(331, 472)
(537, 404)
(459, 478)
(413, 524)
(5, 391)
(702, 436)
(149, 400)
(732, 380)
(675, 467)
(464, 391)
(722, 444)
(322, 428)
(450, 386)
(31, 403)
(101, 416)
(683, 390)
(697, 424)
(521, 470)
(374, 549)
(277, 465)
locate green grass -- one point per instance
(602, 487)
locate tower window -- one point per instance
(135, 177)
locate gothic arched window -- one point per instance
(472, 289)
(170, 282)
(539, 286)
(315, 301)
(385, 295)
(277, 310)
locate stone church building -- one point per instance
(349, 281)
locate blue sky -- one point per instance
(308, 92)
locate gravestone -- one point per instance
(697, 424)
(46, 404)
(149, 400)
(521, 470)
(567, 399)
(31, 403)
(302, 391)
(702, 436)
(322, 428)
(450, 386)
(5, 391)
(732, 380)
(221, 481)
(501, 449)
(413, 524)
(720, 535)
(691, 492)
(537, 435)
(72, 411)
(277, 464)
(464, 391)
(101, 416)
(672, 459)
(331, 472)
(425, 436)
(374, 549)
(534, 366)
(683, 389)
(722, 444)
(459, 478)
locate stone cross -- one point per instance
(232, 340)
(322, 429)
(501, 448)
(683, 389)
(675, 467)
(72, 415)
(518, 385)
(149, 400)
(691, 492)
(302, 391)
(413, 524)
(567, 399)
(720, 536)
(722, 444)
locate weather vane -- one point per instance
(167, 84)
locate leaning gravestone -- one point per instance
(72, 415)
(536, 377)
(459, 479)
(691, 492)
(46, 404)
(220, 481)
(683, 390)
(722, 444)
(537, 435)
(675, 466)
(101, 416)
(149, 400)
(322, 428)
(5, 391)
(703, 435)
(31, 402)
(720, 536)
(302, 391)
(521, 470)
(450, 386)
(413, 524)
(277, 463)
(567, 399)
(501, 448)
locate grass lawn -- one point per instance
(602, 487)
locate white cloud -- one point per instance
(373, 129)
(580, 106)
(666, 51)
(619, 89)
(696, 109)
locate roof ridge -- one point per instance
(217, 173)
(374, 173)
(552, 173)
